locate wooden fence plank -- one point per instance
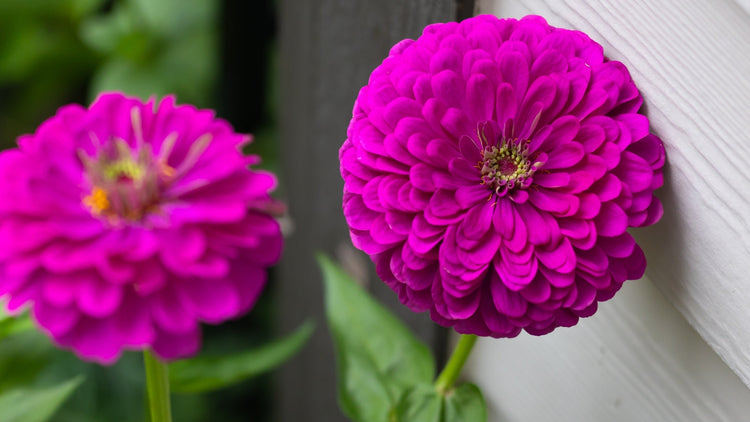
(637, 359)
(690, 59)
(328, 48)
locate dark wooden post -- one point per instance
(328, 49)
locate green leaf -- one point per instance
(3, 313)
(81, 8)
(22, 358)
(175, 18)
(104, 33)
(421, 404)
(465, 403)
(206, 373)
(123, 75)
(35, 404)
(173, 69)
(424, 403)
(378, 358)
(10, 325)
(22, 48)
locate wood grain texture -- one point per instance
(691, 60)
(328, 49)
(636, 360)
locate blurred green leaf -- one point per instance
(35, 404)
(104, 32)
(66, 8)
(10, 325)
(465, 403)
(190, 65)
(420, 404)
(22, 47)
(22, 357)
(155, 48)
(126, 76)
(143, 66)
(378, 358)
(43, 62)
(27, 7)
(206, 373)
(175, 18)
(80, 8)
(424, 403)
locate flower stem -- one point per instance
(452, 370)
(157, 383)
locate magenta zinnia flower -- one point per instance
(126, 224)
(492, 169)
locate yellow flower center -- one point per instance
(128, 179)
(97, 201)
(125, 167)
(507, 163)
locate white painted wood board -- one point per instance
(691, 61)
(636, 360)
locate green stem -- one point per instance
(157, 383)
(452, 370)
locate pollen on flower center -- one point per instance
(97, 201)
(506, 162)
(124, 168)
(506, 166)
(124, 187)
(127, 180)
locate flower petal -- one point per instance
(507, 302)
(611, 221)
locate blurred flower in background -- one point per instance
(125, 224)
(214, 54)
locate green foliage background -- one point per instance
(214, 54)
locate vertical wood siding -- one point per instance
(638, 358)
(328, 49)
(691, 60)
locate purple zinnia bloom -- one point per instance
(126, 224)
(492, 168)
